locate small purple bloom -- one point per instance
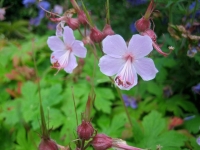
(27, 3)
(45, 5)
(196, 89)
(133, 28)
(41, 14)
(192, 52)
(192, 6)
(136, 2)
(198, 140)
(130, 101)
(58, 9)
(35, 21)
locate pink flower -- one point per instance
(127, 62)
(63, 52)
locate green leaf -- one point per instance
(25, 142)
(193, 124)
(153, 124)
(103, 98)
(171, 140)
(154, 88)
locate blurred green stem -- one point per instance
(107, 12)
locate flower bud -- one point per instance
(96, 35)
(82, 17)
(142, 24)
(107, 30)
(48, 145)
(101, 142)
(85, 130)
(73, 23)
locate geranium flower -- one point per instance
(125, 61)
(63, 52)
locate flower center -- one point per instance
(129, 57)
(125, 78)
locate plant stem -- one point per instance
(125, 108)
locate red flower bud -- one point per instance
(48, 145)
(142, 24)
(85, 130)
(73, 23)
(82, 17)
(101, 142)
(96, 35)
(107, 30)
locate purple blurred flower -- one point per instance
(35, 21)
(196, 89)
(191, 52)
(198, 140)
(27, 3)
(45, 5)
(132, 27)
(58, 9)
(192, 6)
(136, 2)
(130, 101)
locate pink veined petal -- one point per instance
(68, 36)
(55, 43)
(110, 65)
(114, 46)
(78, 49)
(140, 46)
(127, 77)
(61, 57)
(145, 68)
(72, 64)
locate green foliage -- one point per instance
(64, 96)
(155, 133)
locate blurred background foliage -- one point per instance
(164, 111)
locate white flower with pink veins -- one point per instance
(127, 62)
(64, 52)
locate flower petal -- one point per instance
(110, 65)
(140, 46)
(55, 43)
(127, 77)
(72, 64)
(114, 46)
(61, 58)
(68, 36)
(78, 49)
(145, 68)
